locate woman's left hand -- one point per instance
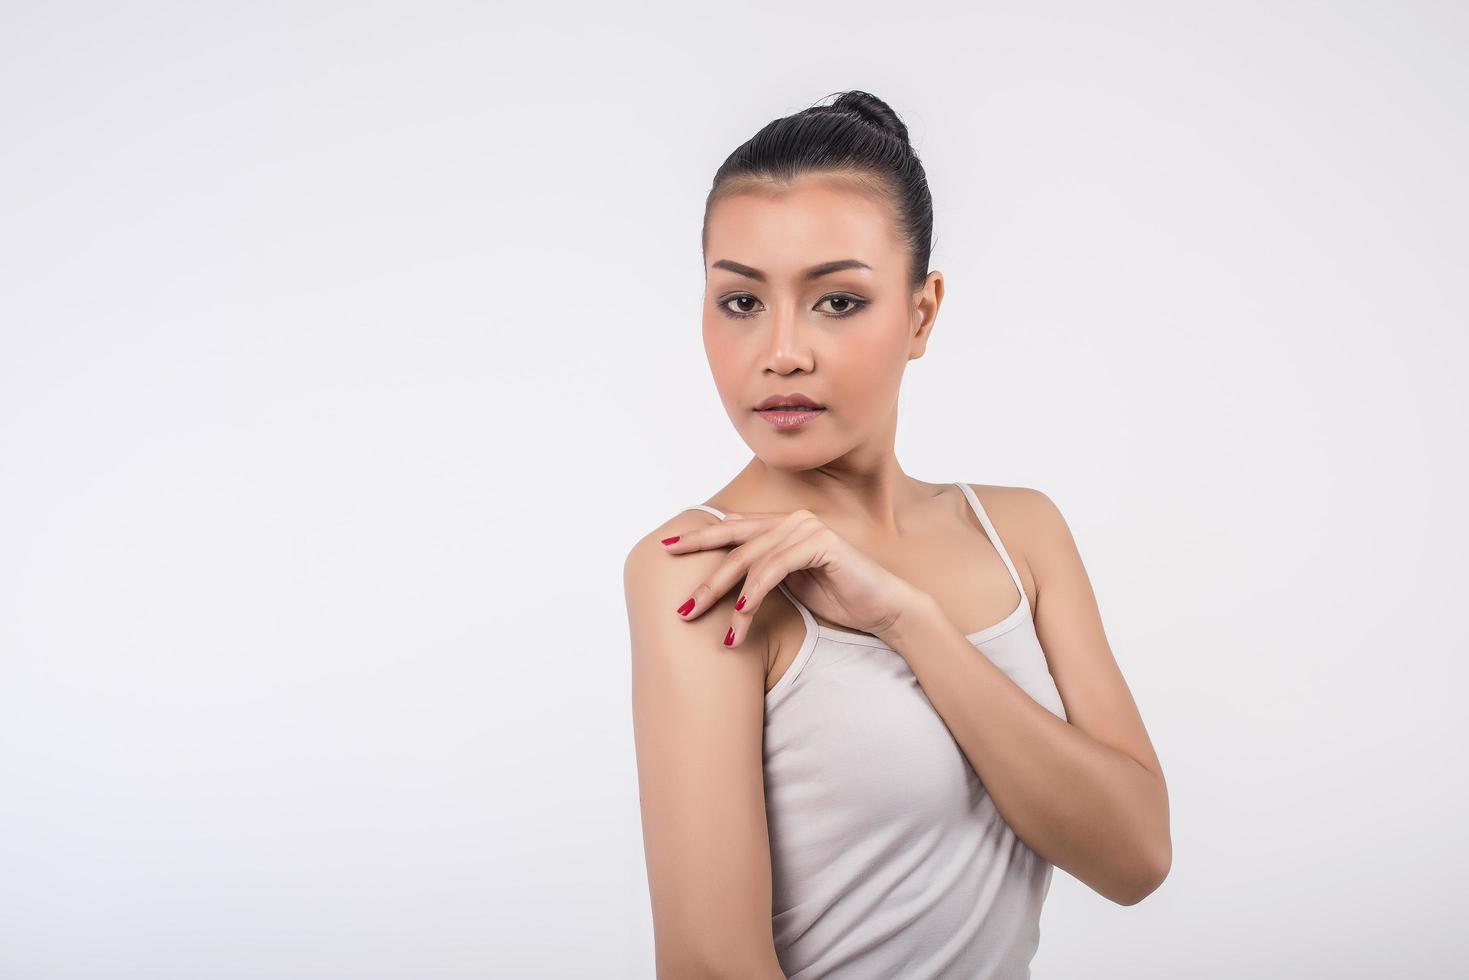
(830, 576)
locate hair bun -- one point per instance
(872, 110)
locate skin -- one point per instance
(828, 510)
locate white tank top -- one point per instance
(888, 858)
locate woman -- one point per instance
(834, 781)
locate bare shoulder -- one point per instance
(1025, 504)
(651, 575)
(687, 658)
(647, 550)
(656, 581)
(1027, 519)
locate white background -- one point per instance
(346, 349)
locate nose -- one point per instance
(786, 349)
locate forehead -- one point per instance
(786, 228)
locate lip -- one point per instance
(783, 419)
(794, 398)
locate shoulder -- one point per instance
(1027, 519)
(648, 559)
(1025, 509)
(655, 581)
(1037, 536)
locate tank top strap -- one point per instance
(805, 613)
(993, 535)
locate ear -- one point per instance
(926, 302)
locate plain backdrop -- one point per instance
(346, 349)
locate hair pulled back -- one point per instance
(858, 136)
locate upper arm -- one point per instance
(698, 720)
(1069, 625)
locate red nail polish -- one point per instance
(729, 637)
(683, 610)
(672, 539)
(741, 603)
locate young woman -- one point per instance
(871, 712)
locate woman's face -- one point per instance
(807, 292)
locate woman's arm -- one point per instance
(698, 721)
(1086, 793)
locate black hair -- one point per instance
(857, 136)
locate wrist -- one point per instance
(916, 610)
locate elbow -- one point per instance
(1154, 857)
(752, 965)
(1148, 883)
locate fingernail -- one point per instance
(683, 610)
(672, 539)
(729, 637)
(741, 603)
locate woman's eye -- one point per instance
(724, 307)
(847, 304)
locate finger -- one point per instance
(800, 546)
(729, 572)
(732, 569)
(732, 530)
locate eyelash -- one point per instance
(857, 307)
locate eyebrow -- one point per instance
(815, 272)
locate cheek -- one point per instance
(863, 386)
(724, 364)
(871, 363)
